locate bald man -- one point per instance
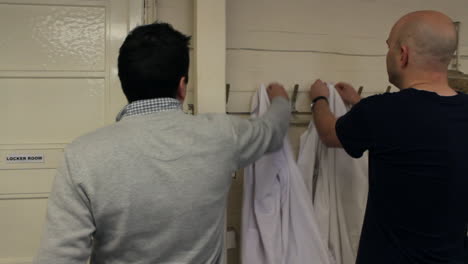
(417, 138)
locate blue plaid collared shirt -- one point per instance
(149, 106)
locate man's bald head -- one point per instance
(430, 35)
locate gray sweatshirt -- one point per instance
(153, 188)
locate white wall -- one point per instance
(298, 41)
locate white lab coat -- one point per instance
(341, 188)
(278, 224)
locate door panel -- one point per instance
(22, 221)
(52, 37)
(57, 110)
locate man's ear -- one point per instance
(404, 56)
(182, 89)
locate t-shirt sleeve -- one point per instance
(353, 130)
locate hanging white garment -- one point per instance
(278, 224)
(338, 188)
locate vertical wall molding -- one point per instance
(210, 56)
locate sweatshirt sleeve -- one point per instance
(67, 236)
(255, 137)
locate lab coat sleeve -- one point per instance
(354, 130)
(255, 137)
(69, 224)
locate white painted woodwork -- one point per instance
(58, 81)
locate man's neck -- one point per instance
(436, 82)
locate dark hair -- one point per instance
(152, 60)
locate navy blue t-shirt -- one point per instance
(417, 208)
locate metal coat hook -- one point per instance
(388, 89)
(228, 90)
(191, 108)
(361, 88)
(456, 57)
(294, 98)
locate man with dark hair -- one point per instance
(152, 188)
(417, 143)
(153, 56)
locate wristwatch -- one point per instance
(316, 99)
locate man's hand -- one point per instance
(348, 93)
(276, 89)
(317, 89)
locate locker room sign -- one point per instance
(25, 158)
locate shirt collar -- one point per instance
(149, 106)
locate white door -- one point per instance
(58, 80)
